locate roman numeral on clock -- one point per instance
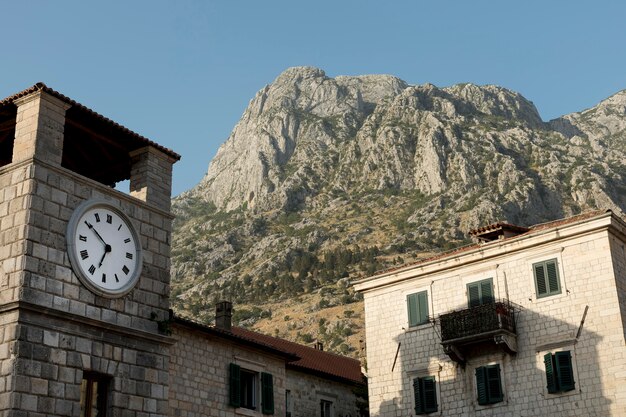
(129, 255)
(127, 240)
(116, 278)
(92, 269)
(83, 238)
(125, 269)
(97, 215)
(104, 277)
(84, 254)
(109, 219)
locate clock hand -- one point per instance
(89, 225)
(107, 249)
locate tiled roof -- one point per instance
(498, 226)
(300, 357)
(543, 226)
(42, 87)
(253, 342)
(311, 359)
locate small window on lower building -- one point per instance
(288, 404)
(244, 389)
(94, 393)
(559, 372)
(425, 395)
(326, 408)
(489, 385)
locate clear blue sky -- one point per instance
(182, 72)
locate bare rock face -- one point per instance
(319, 163)
(306, 132)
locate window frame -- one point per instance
(262, 393)
(420, 382)
(102, 383)
(490, 402)
(420, 321)
(480, 296)
(546, 278)
(331, 408)
(543, 257)
(576, 378)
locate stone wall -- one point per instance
(543, 325)
(199, 374)
(308, 390)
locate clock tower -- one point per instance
(84, 268)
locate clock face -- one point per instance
(104, 249)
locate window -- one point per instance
(489, 385)
(326, 408)
(546, 278)
(288, 404)
(559, 372)
(480, 292)
(417, 305)
(425, 395)
(94, 394)
(244, 389)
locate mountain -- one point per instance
(327, 179)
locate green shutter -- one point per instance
(564, 370)
(553, 277)
(430, 394)
(481, 385)
(417, 395)
(234, 385)
(494, 387)
(552, 382)
(473, 294)
(540, 280)
(422, 302)
(412, 306)
(267, 393)
(486, 291)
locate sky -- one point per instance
(182, 72)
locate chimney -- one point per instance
(223, 315)
(318, 345)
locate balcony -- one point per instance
(492, 323)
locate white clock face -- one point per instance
(104, 249)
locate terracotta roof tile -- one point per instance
(42, 87)
(311, 359)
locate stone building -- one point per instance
(85, 325)
(527, 322)
(305, 381)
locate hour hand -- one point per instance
(107, 249)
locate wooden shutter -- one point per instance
(267, 393)
(481, 385)
(486, 291)
(553, 277)
(417, 395)
(422, 303)
(234, 397)
(552, 383)
(540, 280)
(430, 394)
(565, 372)
(473, 294)
(412, 306)
(494, 387)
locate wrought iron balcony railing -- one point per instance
(472, 323)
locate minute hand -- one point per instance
(89, 225)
